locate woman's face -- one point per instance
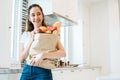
(36, 17)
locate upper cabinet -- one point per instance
(45, 4)
(66, 8)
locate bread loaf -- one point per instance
(58, 24)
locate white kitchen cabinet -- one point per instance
(14, 76)
(66, 8)
(58, 74)
(45, 4)
(4, 77)
(76, 74)
(5, 32)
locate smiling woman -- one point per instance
(19, 20)
(48, 47)
(20, 13)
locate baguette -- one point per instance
(58, 24)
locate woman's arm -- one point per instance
(60, 52)
(24, 52)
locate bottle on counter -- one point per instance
(68, 63)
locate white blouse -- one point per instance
(25, 38)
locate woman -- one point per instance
(35, 20)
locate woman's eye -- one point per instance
(33, 15)
(38, 14)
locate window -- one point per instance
(20, 8)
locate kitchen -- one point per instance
(96, 22)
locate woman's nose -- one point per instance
(36, 17)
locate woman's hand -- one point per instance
(32, 36)
(37, 59)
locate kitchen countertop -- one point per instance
(14, 71)
(9, 71)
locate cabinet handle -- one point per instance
(72, 70)
(61, 71)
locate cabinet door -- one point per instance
(14, 76)
(5, 33)
(4, 77)
(79, 74)
(90, 74)
(66, 8)
(67, 75)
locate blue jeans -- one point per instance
(35, 73)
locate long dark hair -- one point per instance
(29, 25)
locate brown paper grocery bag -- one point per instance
(44, 42)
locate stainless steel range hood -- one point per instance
(52, 18)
